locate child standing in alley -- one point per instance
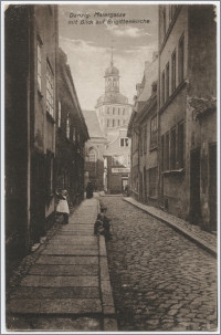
(62, 207)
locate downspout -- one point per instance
(28, 142)
(158, 120)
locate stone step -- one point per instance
(54, 306)
(59, 281)
(53, 259)
(65, 270)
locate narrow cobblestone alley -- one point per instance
(161, 281)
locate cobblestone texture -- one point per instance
(161, 281)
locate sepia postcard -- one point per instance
(110, 167)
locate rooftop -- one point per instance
(92, 122)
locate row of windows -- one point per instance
(169, 12)
(124, 142)
(153, 136)
(115, 123)
(169, 76)
(71, 135)
(153, 182)
(49, 80)
(172, 146)
(115, 111)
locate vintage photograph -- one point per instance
(110, 164)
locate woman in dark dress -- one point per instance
(89, 190)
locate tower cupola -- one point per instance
(112, 77)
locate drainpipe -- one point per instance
(159, 180)
(28, 144)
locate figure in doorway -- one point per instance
(89, 190)
(126, 190)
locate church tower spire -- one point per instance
(112, 76)
(112, 55)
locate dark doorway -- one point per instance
(212, 188)
(195, 213)
(145, 184)
(37, 197)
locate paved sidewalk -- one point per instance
(205, 240)
(68, 288)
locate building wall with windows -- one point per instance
(187, 37)
(71, 135)
(30, 105)
(143, 131)
(148, 152)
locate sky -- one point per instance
(88, 46)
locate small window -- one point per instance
(74, 134)
(153, 182)
(163, 88)
(164, 21)
(162, 151)
(173, 149)
(167, 81)
(153, 132)
(181, 60)
(166, 150)
(108, 123)
(118, 122)
(91, 156)
(50, 91)
(180, 145)
(173, 75)
(118, 111)
(68, 127)
(108, 110)
(113, 111)
(113, 123)
(39, 65)
(49, 174)
(124, 142)
(59, 114)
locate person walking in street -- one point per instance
(62, 207)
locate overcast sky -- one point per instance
(88, 47)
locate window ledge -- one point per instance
(40, 94)
(172, 96)
(153, 148)
(171, 172)
(153, 198)
(50, 117)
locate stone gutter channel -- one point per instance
(109, 315)
(204, 240)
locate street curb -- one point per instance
(192, 237)
(109, 314)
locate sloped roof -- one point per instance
(112, 98)
(92, 123)
(111, 70)
(150, 75)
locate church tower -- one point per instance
(111, 78)
(113, 113)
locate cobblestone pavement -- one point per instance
(161, 281)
